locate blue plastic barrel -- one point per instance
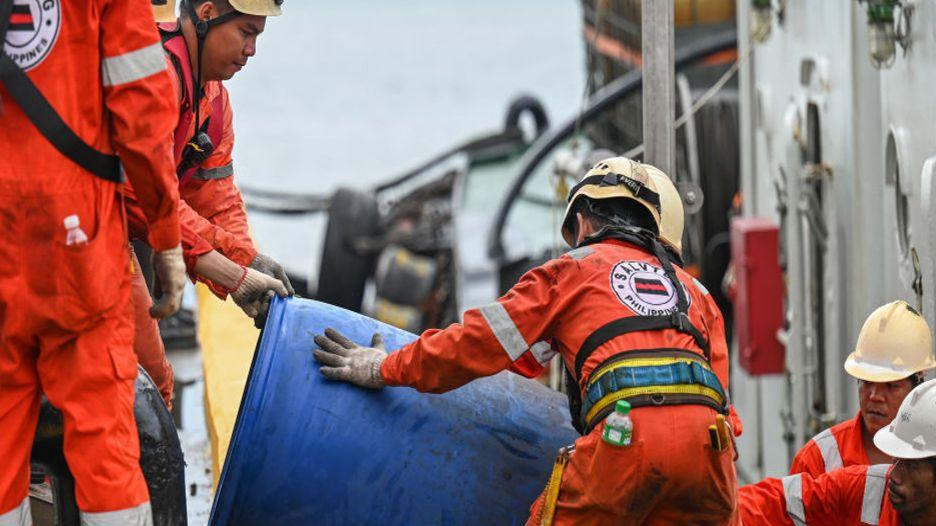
(306, 450)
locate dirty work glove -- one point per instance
(270, 267)
(253, 288)
(263, 308)
(345, 360)
(169, 268)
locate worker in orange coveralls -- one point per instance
(880, 495)
(220, 36)
(894, 348)
(630, 326)
(82, 83)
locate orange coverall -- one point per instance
(65, 325)
(845, 497)
(839, 446)
(669, 474)
(212, 210)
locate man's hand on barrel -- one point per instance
(347, 361)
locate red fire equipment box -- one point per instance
(758, 294)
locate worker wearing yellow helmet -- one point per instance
(895, 347)
(165, 10)
(209, 43)
(637, 335)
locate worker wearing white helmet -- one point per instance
(882, 495)
(894, 348)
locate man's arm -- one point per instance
(215, 207)
(831, 499)
(491, 338)
(136, 81)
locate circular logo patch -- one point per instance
(644, 288)
(34, 27)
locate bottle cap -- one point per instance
(623, 407)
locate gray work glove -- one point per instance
(169, 268)
(270, 267)
(251, 292)
(347, 361)
(263, 308)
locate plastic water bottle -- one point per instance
(74, 234)
(618, 427)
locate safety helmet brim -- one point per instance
(893, 446)
(912, 434)
(873, 372)
(257, 7)
(165, 13)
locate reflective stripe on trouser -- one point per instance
(793, 494)
(668, 475)
(873, 498)
(65, 326)
(18, 516)
(829, 449)
(141, 515)
(147, 342)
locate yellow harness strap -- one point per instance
(552, 487)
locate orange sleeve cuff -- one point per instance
(165, 234)
(389, 369)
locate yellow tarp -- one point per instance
(227, 339)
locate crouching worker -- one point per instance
(894, 349)
(879, 495)
(630, 325)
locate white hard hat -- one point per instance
(672, 214)
(895, 343)
(913, 433)
(164, 10)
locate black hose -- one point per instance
(607, 96)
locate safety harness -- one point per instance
(650, 377)
(200, 146)
(44, 117)
(191, 151)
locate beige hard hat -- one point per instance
(164, 10)
(617, 177)
(894, 343)
(672, 214)
(912, 434)
(258, 7)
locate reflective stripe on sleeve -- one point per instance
(543, 352)
(875, 483)
(829, 449)
(698, 284)
(141, 515)
(504, 330)
(133, 66)
(793, 493)
(215, 173)
(18, 516)
(580, 253)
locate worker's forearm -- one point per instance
(220, 270)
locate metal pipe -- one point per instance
(659, 99)
(605, 98)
